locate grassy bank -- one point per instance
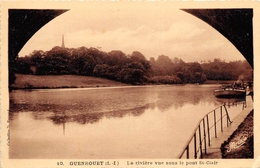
(60, 81)
(71, 81)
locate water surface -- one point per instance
(106, 123)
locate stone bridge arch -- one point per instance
(234, 24)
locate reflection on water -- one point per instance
(232, 101)
(122, 122)
(93, 117)
(58, 116)
(88, 106)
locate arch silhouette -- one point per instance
(235, 24)
(23, 24)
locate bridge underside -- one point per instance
(23, 24)
(234, 24)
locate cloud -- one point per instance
(151, 31)
(182, 39)
(142, 38)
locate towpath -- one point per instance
(214, 152)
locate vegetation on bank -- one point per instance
(130, 69)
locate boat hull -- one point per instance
(230, 93)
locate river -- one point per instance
(109, 122)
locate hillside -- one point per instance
(60, 81)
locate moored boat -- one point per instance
(230, 92)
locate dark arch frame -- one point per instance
(235, 24)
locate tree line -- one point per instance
(132, 69)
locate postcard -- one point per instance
(130, 83)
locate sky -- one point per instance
(153, 29)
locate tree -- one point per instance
(105, 71)
(221, 70)
(56, 62)
(133, 73)
(136, 56)
(117, 58)
(23, 65)
(164, 66)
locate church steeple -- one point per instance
(62, 44)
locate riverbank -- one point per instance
(24, 81)
(236, 141)
(61, 81)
